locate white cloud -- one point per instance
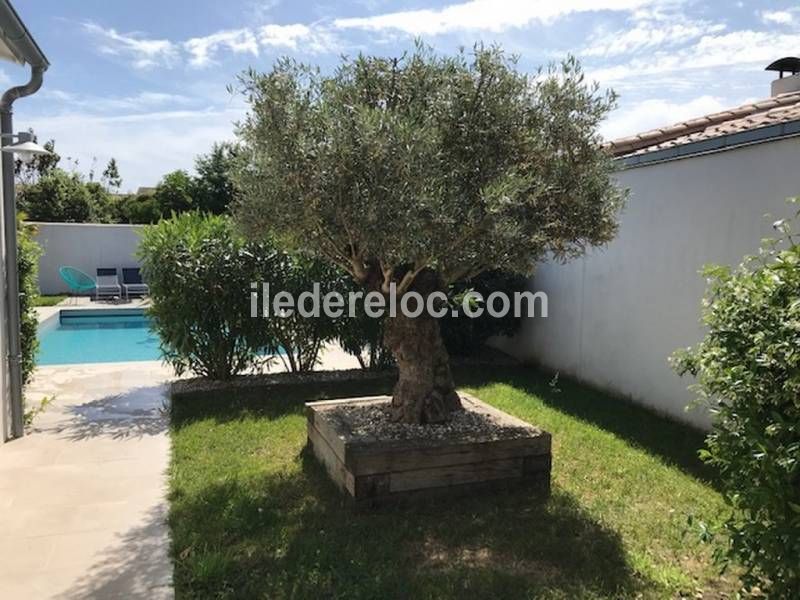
(780, 17)
(488, 15)
(145, 100)
(286, 36)
(314, 39)
(649, 34)
(655, 113)
(201, 51)
(146, 145)
(737, 49)
(143, 52)
(238, 41)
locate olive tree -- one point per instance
(423, 170)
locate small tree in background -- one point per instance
(214, 184)
(422, 171)
(57, 196)
(748, 370)
(101, 204)
(29, 172)
(175, 193)
(111, 177)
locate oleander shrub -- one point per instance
(362, 335)
(200, 270)
(299, 336)
(748, 370)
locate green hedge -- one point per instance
(28, 264)
(200, 271)
(748, 369)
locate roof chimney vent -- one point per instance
(790, 83)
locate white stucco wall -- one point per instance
(85, 246)
(616, 315)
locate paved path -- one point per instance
(82, 497)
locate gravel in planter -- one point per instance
(371, 421)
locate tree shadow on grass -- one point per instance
(675, 443)
(293, 535)
(272, 400)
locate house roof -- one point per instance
(784, 108)
(16, 43)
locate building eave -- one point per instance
(721, 143)
(15, 37)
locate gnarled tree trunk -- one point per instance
(425, 392)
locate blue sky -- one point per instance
(145, 81)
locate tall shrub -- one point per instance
(199, 271)
(301, 338)
(748, 370)
(28, 265)
(361, 335)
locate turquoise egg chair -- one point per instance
(79, 282)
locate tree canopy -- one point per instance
(456, 165)
(57, 196)
(214, 188)
(50, 193)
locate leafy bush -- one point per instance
(57, 196)
(362, 336)
(464, 336)
(301, 338)
(140, 209)
(214, 187)
(28, 265)
(748, 370)
(175, 193)
(199, 271)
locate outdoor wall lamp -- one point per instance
(25, 148)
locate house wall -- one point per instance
(616, 315)
(85, 246)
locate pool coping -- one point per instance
(45, 313)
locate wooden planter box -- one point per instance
(373, 471)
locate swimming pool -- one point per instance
(97, 336)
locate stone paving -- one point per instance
(83, 494)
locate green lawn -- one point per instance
(253, 516)
(49, 300)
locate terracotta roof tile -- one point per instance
(780, 109)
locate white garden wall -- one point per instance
(85, 246)
(617, 315)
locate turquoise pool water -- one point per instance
(97, 336)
